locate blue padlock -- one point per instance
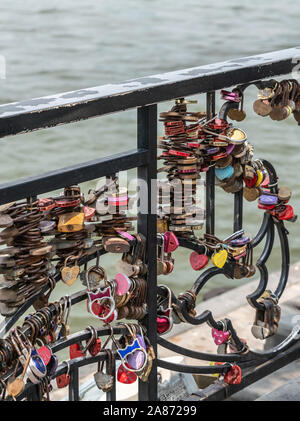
(224, 173)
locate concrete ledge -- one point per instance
(289, 391)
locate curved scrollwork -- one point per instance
(184, 304)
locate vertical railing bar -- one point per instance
(74, 384)
(112, 394)
(238, 211)
(210, 175)
(147, 225)
(35, 393)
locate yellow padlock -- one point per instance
(267, 294)
(260, 178)
(71, 222)
(162, 225)
(219, 258)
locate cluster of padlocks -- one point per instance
(51, 238)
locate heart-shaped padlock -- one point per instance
(123, 283)
(234, 375)
(219, 258)
(124, 376)
(198, 261)
(220, 336)
(163, 324)
(224, 173)
(104, 381)
(69, 274)
(164, 319)
(171, 242)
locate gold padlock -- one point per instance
(69, 274)
(71, 222)
(162, 225)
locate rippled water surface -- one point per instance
(58, 46)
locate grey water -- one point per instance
(57, 46)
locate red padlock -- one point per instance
(46, 204)
(75, 351)
(124, 376)
(265, 207)
(250, 182)
(97, 308)
(112, 317)
(64, 379)
(45, 353)
(234, 375)
(198, 261)
(95, 347)
(286, 214)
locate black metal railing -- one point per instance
(144, 94)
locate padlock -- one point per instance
(219, 258)
(286, 215)
(95, 347)
(164, 314)
(69, 274)
(198, 261)
(45, 353)
(220, 336)
(124, 376)
(266, 320)
(171, 242)
(234, 375)
(123, 283)
(71, 222)
(75, 351)
(64, 379)
(116, 245)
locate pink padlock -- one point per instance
(123, 283)
(170, 242)
(229, 96)
(219, 336)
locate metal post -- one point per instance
(74, 384)
(210, 175)
(111, 396)
(238, 211)
(147, 225)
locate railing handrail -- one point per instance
(67, 107)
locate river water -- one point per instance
(58, 46)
